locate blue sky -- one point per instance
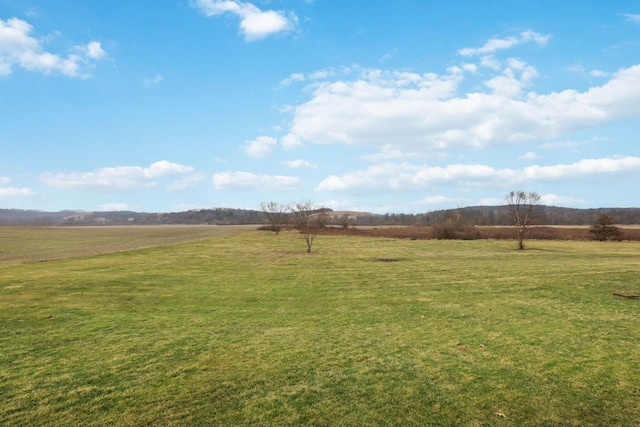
(380, 106)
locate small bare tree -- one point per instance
(309, 219)
(519, 207)
(277, 215)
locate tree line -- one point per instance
(475, 215)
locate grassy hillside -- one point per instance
(248, 329)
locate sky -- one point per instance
(403, 106)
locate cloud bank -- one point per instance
(406, 176)
(116, 178)
(425, 112)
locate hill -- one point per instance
(475, 215)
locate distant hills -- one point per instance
(476, 215)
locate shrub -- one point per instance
(603, 229)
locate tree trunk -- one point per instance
(520, 239)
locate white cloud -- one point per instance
(94, 50)
(250, 181)
(406, 176)
(298, 164)
(11, 192)
(262, 146)
(4, 180)
(291, 141)
(116, 178)
(295, 77)
(426, 113)
(19, 48)
(582, 168)
(513, 80)
(494, 45)
(254, 22)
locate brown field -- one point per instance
(540, 232)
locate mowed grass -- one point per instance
(248, 329)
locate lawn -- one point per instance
(248, 329)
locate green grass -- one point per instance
(248, 329)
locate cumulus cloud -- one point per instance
(19, 48)
(254, 22)
(11, 192)
(406, 176)
(262, 146)
(250, 181)
(93, 50)
(426, 112)
(116, 178)
(291, 141)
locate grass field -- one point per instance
(248, 329)
(31, 244)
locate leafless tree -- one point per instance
(519, 206)
(276, 213)
(309, 219)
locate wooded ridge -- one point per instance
(475, 215)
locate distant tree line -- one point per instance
(469, 216)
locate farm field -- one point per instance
(30, 244)
(246, 328)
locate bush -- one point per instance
(603, 229)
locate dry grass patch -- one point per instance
(32, 244)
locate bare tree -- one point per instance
(276, 213)
(519, 206)
(310, 220)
